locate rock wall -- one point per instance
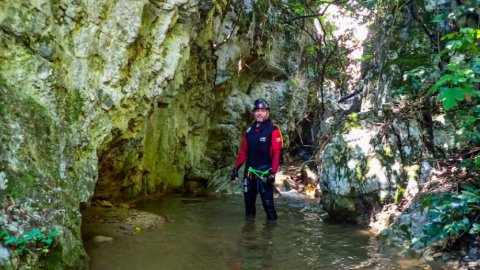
(131, 98)
(376, 162)
(122, 100)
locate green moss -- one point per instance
(387, 150)
(20, 185)
(351, 123)
(361, 170)
(58, 259)
(399, 194)
(343, 207)
(33, 140)
(73, 106)
(163, 156)
(412, 171)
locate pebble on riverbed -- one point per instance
(100, 239)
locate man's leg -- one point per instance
(250, 196)
(266, 193)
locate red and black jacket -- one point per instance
(261, 147)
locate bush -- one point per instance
(33, 241)
(451, 215)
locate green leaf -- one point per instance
(468, 31)
(35, 233)
(449, 104)
(433, 214)
(466, 163)
(48, 241)
(475, 229)
(28, 237)
(53, 233)
(450, 97)
(9, 240)
(440, 83)
(465, 72)
(451, 35)
(456, 79)
(468, 89)
(469, 188)
(40, 237)
(453, 67)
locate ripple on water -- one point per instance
(213, 234)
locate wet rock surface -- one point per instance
(297, 178)
(103, 221)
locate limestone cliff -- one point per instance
(124, 99)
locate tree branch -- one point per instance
(320, 13)
(349, 96)
(324, 67)
(412, 6)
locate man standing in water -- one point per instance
(261, 149)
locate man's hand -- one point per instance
(234, 177)
(271, 178)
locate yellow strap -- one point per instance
(281, 136)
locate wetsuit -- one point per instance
(261, 149)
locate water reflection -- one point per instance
(213, 234)
(255, 246)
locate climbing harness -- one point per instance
(260, 174)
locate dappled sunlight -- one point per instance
(352, 164)
(355, 33)
(376, 169)
(440, 118)
(396, 166)
(359, 138)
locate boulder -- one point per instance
(359, 171)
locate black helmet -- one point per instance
(260, 104)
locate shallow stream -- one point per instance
(212, 233)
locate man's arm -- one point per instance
(276, 149)
(242, 153)
(242, 156)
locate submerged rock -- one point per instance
(100, 239)
(117, 221)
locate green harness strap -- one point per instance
(258, 173)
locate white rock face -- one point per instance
(357, 167)
(79, 80)
(124, 98)
(365, 168)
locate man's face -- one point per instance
(261, 115)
